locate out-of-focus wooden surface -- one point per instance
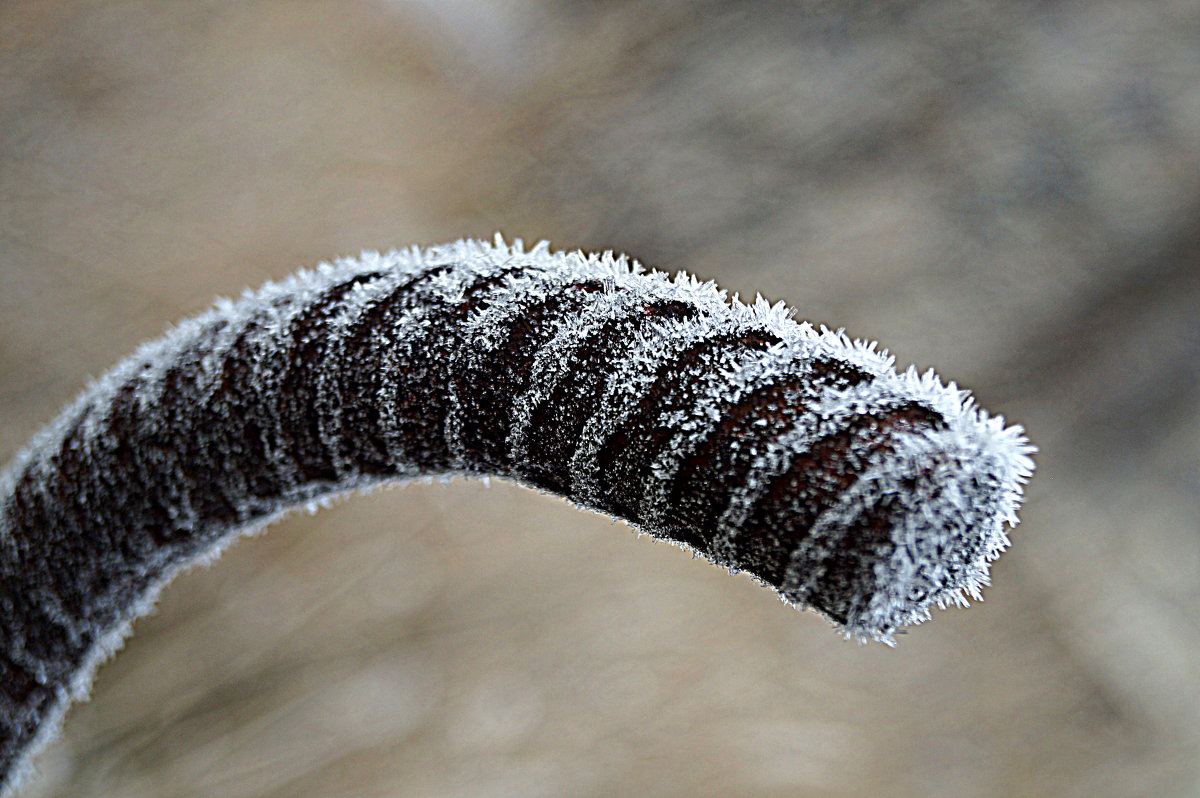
(1008, 192)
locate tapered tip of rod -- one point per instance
(928, 517)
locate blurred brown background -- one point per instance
(1006, 191)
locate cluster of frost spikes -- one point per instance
(971, 445)
(768, 446)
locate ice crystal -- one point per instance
(792, 453)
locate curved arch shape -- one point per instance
(766, 445)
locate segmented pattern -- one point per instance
(791, 453)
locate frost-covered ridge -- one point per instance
(768, 446)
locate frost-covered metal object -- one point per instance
(768, 446)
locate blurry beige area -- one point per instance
(1007, 191)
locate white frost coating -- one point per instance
(620, 300)
(632, 375)
(769, 463)
(971, 444)
(738, 382)
(550, 363)
(270, 394)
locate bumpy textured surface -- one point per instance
(770, 447)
